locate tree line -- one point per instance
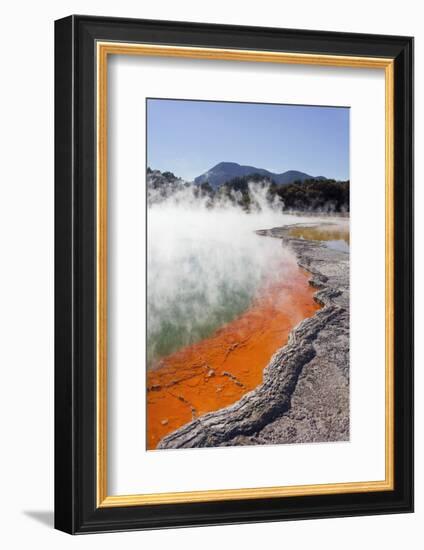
(327, 195)
(318, 195)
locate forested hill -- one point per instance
(226, 171)
(315, 195)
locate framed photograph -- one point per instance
(233, 273)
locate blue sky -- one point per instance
(190, 137)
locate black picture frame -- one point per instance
(76, 508)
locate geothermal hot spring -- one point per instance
(221, 301)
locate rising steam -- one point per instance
(206, 263)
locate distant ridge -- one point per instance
(226, 171)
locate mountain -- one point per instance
(225, 171)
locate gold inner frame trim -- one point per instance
(103, 50)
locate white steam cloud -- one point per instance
(205, 264)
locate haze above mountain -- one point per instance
(225, 171)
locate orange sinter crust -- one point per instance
(219, 370)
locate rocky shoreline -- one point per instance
(304, 396)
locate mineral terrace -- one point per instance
(304, 396)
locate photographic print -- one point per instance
(203, 280)
(247, 274)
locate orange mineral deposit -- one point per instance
(219, 370)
